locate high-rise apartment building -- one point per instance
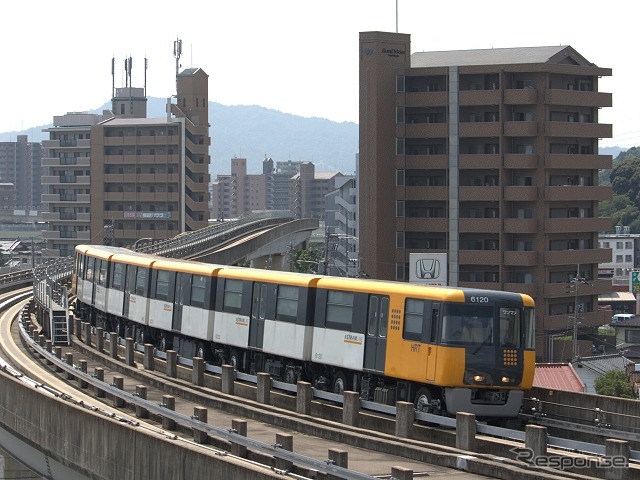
(489, 156)
(150, 176)
(66, 190)
(238, 193)
(20, 165)
(308, 189)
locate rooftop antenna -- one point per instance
(177, 52)
(146, 65)
(113, 83)
(396, 16)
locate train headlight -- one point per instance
(506, 380)
(479, 378)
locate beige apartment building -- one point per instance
(238, 193)
(150, 176)
(66, 189)
(490, 157)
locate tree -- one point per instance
(614, 384)
(307, 260)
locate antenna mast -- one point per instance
(177, 52)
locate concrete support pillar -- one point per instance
(100, 339)
(405, 415)
(303, 398)
(113, 345)
(200, 413)
(147, 361)
(401, 473)
(58, 353)
(77, 327)
(239, 427)
(141, 392)
(466, 431)
(68, 358)
(168, 402)
(99, 374)
(48, 347)
(118, 382)
(535, 439)
(129, 351)
(86, 333)
(172, 363)
(197, 373)
(285, 442)
(263, 390)
(350, 408)
(82, 383)
(228, 379)
(618, 452)
(339, 458)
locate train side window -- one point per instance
(384, 316)
(141, 281)
(90, 266)
(413, 319)
(80, 265)
(198, 289)
(130, 279)
(102, 275)
(339, 310)
(232, 297)
(287, 303)
(162, 285)
(117, 276)
(373, 312)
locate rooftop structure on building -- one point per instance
(20, 167)
(490, 157)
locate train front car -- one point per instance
(482, 355)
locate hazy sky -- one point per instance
(295, 56)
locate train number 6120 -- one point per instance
(479, 299)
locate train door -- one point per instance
(129, 288)
(183, 284)
(258, 310)
(376, 340)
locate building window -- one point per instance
(400, 177)
(400, 83)
(399, 114)
(399, 146)
(400, 208)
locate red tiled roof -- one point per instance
(557, 376)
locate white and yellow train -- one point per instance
(446, 349)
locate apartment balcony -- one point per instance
(574, 257)
(436, 162)
(422, 99)
(479, 257)
(140, 196)
(479, 161)
(479, 225)
(520, 225)
(564, 225)
(578, 129)
(520, 129)
(479, 129)
(350, 207)
(422, 193)
(480, 285)
(142, 140)
(564, 323)
(63, 163)
(70, 143)
(74, 199)
(438, 225)
(421, 130)
(520, 160)
(574, 193)
(530, 289)
(580, 98)
(478, 97)
(566, 290)
(514, 258)
(520, 194)
(559, 160)
(66, 180)
(480, 194)
(520, 96)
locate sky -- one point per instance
(294, 56)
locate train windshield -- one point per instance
(477, 325)
(467, 324)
